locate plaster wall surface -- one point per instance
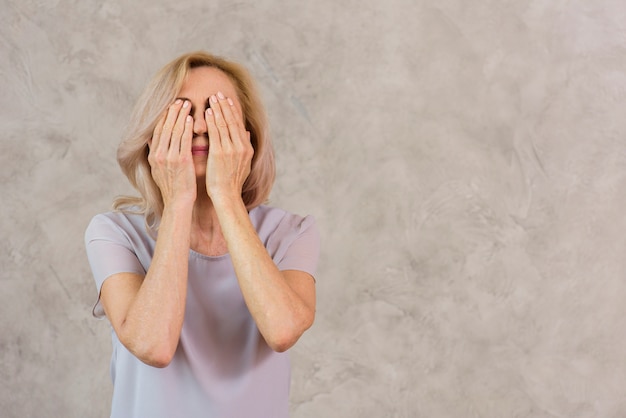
(466, 163)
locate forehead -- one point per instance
(206, 81)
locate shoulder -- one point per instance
(108, 224)
(268, 220)
(279, 229)
(292, 240)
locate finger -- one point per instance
(220, 121)
(249, 144)
(185, 143)
(179, 128)
(238, 115)
(234, 127)
(168, 125)
(153, 142)
(215, 143)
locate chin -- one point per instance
(200, 170)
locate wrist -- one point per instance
(178, 208)
(225, 200)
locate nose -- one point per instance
(199, 124)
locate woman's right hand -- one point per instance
(170, 155)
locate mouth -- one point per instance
(200, 150)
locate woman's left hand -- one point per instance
(230, 150)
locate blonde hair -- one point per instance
(132, 153)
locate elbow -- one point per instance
(288, 336)
(156, 349)
(159, 355)
(280, 345)
(155, 355)
(159, 361)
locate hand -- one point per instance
(170, 155)
(230, 151)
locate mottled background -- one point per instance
(466, 162)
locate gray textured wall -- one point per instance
(466, 162)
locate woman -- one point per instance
(205, 287)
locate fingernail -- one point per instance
(177, 101)
(230, 101)
(186, 104)
(214, 99)
(189, 118)
(220, 95)
(209, 111)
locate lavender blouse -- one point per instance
(222, 367)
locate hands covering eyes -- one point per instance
(230, 151)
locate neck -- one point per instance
(206, 234)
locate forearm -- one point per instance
(153, 323)
(279, 312)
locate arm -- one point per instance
(147, 313)
(281, 303)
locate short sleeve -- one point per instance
(109, 251)
(301, 247)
